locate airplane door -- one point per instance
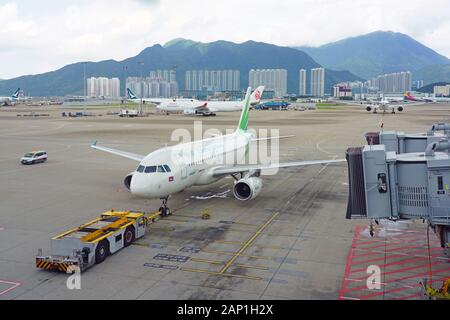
(183, 173)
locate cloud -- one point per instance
(39, 36)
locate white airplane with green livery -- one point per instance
(172, 169)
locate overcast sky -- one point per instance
(43, 35)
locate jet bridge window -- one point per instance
(382, 183)
(140, 168)
(440, 182)
(150, 169)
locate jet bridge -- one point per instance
(400, 142)
(408, 177)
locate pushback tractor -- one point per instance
(92, 242)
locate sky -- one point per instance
(44, 35)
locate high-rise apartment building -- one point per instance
(302, 82)
(397, 82)
(318, 82)
(272, 79)
(103, 87)
(212, 80)
(159, 84)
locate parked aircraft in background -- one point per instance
(409, 97)
(200, 107)
(6, 101)
(170, 170)
(133, 98)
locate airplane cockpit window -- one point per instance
(140, 168)
(161, 169)
(150, 169)
(167, 168)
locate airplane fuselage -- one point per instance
(173, 169)
(213, 106)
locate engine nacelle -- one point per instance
(400, 108)
(189, 111)
(247, 188)
(368, 108)
(127, 180)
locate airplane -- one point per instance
(200, 107)
(409, 97)
(133, 98)
(172, 169)
(383, 105)
(6, 101)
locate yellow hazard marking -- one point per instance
(248, 243)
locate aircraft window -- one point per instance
(161, 169)
(140, 169)
(150, 169)
(167, 168)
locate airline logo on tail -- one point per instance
(16, 94)
(256, 95)
(409, 97)
(131, 95)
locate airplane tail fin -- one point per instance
(243, 121)
(130, 94)
(256, 96)
(16, 94)
(407, 96)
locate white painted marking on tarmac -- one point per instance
(223, 194)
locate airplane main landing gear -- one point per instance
(165, 211)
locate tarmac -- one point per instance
(291, 242)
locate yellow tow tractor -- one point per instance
(92, 242)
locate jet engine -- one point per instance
(400, 108)
(127, 181)
(189, 111)
(247, 188)
(368, 108)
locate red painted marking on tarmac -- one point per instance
(396, 263)
(13, 284)
(437, 255)
(349, 260)
(405, 269)
(419, 275)
(404, 275)
(384, 251)
(408, 297)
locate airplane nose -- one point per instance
(137, 186)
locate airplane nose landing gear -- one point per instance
(165, 211)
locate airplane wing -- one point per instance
(273, 138)
(129, 155)
(224, 170)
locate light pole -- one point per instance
(84, 84)
(125, 80)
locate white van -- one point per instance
(34, 157)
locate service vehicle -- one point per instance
(92, 242)
(34, 157)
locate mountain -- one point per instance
(429, 88)
(375, 53)
(184, 55)
(433, 73)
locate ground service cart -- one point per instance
(92, 242)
